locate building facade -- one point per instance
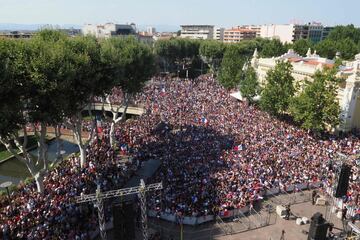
(197, 31)
(314, 32)
(283, 32)
(238, 34)
(219, 34)
(305, 68)
(109, 30)
(288, 33)
(151, 30)
(256, 28)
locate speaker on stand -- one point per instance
(318, 227)
(124, 221)
(343, 183)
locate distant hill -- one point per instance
(32, 27)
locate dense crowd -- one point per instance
(216, 153)
(53, 214)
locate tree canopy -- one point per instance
(212, 53)
(302, 46)
(130, 64)
(175, 52)
(279, 89)
(249, 86)
(344, 32)
(231, 72)
(271, 48)
(316, 107)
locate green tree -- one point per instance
(347, 48)
(212, 52)
(316, 107)
(130, 64)
(249, 86)
(34, 81)
(176, 53)
(279, 89)
(344, 32)
(231, 72)
(272, 48)
(326, 48)
(83, 77)
(301, 46)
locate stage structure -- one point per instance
(99, 197)
(336, 165)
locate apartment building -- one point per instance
(109, 30)
(256, 28)
(219, 34)
(238, 34)
(197, 31)
(288, 33)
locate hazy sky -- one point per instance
(175, 12)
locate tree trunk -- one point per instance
(58, 141)
(43, 148)
(82, 155)
(39, 179)
(38, 175)
(112, 134)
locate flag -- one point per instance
(98, 124)
(204, 120)
(163, 91)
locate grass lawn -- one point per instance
(5, 153)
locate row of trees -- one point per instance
(50, 79)
(313, 105)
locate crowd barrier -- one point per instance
(235, 212)
(339, 203)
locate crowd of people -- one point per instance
(54, 214)
(216, 153)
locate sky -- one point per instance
(223, 13)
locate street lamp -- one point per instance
(7, 185)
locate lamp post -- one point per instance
(62, 152)
(6, 185)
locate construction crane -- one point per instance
(99, 197)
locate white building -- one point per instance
(283, 32)
(109, 29)
(288, 33)
(151, 30)
(305, 67)
(197, 31)
(219, 34)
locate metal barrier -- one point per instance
(307, 196)
(289, 196)
(238, 220)
(257, 217)
(277, 199)
(226, 228)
